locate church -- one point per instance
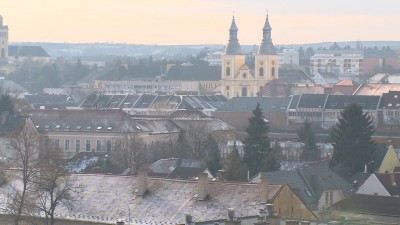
(239, 79)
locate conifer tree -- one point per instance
(213, 154)
(235, 169)
(306, 135)
(257, 150)
(351, 137)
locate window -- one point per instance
(98, 145)
(273, 71)
(227, 87)
(331, 197)
(261, 71)
(244, 75)
(228, 71)
(77, 145)
(3, 53)
(244, 91)
(87, 146)
(56, 144)
(108, 146)
(66, 145)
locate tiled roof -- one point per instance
(386, 181)
(111, 197)
(50, 101)
(84, 121)
(376, 89)
(341, 101)
(248, 104)
(347, 83)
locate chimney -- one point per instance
(120, 222)
(264, 189)
(188, 219)
(142, 187)
(231, 218)
(4, 117)
(392, 181)
(202, 187)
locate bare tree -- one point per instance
(53, 188)
(129, 149)
(24, 146)
(197, 136)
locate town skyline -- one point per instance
(188, 22)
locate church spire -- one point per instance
(233, 47)
(267, 47)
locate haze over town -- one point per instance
(199, 112)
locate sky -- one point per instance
(167, 22)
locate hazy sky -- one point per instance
(199, 21)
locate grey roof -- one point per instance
(338, 52)
(181, 172)
(329, 77)
(341, 101)
(233, 47)
(248, 104)
(312, 101)
(294, 101)
(107, 196)
(12, 123)
(294, 76)
(310, 182)
(50, 101)
(390, 100)
(267, 47)
(27, 51)
(163, 166)
(196, 72)
(84, 121)
(11, 86)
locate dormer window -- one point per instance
(78, 127)
(109, 128)
(58, 126)
(99, 128)
(88, 128)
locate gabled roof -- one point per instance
(248, 104)
(376, 89)
(106, 196)
(370, 204)
(294, 76)
(163, 167)
(341, 101)
(27, 51)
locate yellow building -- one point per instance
(239, 79)
(389, 162)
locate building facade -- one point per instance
(342, 62)
(3, 40)
(239, 79)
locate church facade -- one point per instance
(238, 78)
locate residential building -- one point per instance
(68, 132)
(238, 79)
(389, 108)
(348, 62)
(214, 58)
(288, 57)
(306, 107)
(316, 184)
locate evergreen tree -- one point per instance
(257, 145)
(182, 149)
(351, 137)
(6, 104)
(306, 135)
(213, 155)
(235, 169)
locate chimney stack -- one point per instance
(392, 181)
(142, 182)
(264, 189)
(202, 187)
(231, 214)
(188, 219)
(231, 218)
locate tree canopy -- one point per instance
(351, 137)
(234, 169)
(306, 135)
(258, 154)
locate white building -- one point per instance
(340, 62)
(288, 56)
(3, 41)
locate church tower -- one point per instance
(266, 60)
(3, 41)
(232, 60)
